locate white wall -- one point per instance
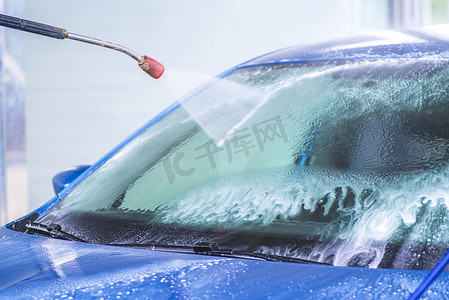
(82, 100)
(13, 171)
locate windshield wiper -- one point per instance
(53, 230)
(213, 250)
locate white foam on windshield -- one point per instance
(364, 211)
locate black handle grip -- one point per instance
(33, 27)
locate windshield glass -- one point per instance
(339, 162)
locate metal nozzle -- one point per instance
(149, 65)
(152, 67)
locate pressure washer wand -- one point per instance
(154, 68)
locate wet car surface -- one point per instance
(49, 268)
(317, 171)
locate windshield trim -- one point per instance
(317, 60)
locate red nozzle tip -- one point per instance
(154, 68)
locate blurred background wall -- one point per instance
(82, 100)
(13, 168)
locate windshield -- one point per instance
(338, 162)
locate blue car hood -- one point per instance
(41, 267)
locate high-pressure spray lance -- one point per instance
(149, 65)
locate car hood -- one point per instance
(48, 268)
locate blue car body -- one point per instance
(40, 267)
(50, 268)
